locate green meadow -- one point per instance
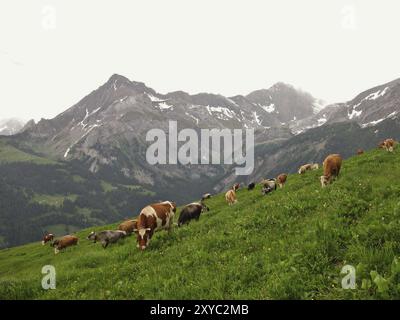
(291, 244)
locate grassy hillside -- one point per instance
(56, 196)
(291, 244)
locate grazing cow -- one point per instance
(106, 237)
(128, 226)
(206, 196)
(230, 197)
(251, 186)
(332, 165)
(236, 186)
(315, 166)
(152, 218)
(64, 242)
(388, 144)
(268, 186)
(360, 152)
(192, 211)
(281, 179)
(304, 168)
(47, 238)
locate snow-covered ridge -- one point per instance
(378, 94)
(372, 96)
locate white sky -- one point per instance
(333, 49)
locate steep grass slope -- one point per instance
(291, 244)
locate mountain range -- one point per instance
(104, 135)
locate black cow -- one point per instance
(251, 186)
(191, 211)
(106, 237)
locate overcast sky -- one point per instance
(53, 53)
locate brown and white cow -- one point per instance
(128, 226)
(360, 152)
(47, 238)
(304, 168)
(388, 144)
(332, 165)
(230, 197)
(236, 186)
(152, 218)
(64, 242)
(315, 166)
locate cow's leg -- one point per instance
(104, 244)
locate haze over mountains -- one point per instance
(100, 143)
(10, 126)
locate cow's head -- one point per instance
(266, 189)
(92, 236)
(324, 181)
(204, 207)
(143, 237)
(48, 237)
(173, 204)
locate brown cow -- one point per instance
(332, 165)
(236, 186)
(381, 145)
(64, 242)
(47, 238)
(360, 152)
(281, 179)
(152, 218)
(230, 197)
(388, 144)
(128, 226)
(304, 168)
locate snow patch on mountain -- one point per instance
(378, 94)
(221, 112)
(354, 114)
(256, 118)
(165, 106)
(154, 99)
(372, 96)
(268, 108)
(83, 136)
(193, 117)
(322, 121)
(374, 123)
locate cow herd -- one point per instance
(160, 216)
